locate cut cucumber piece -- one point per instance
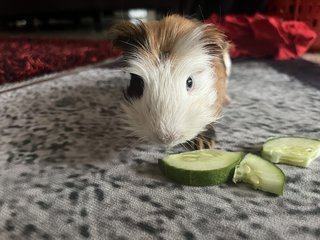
(260, 174)
(202, 167)
(295, 151)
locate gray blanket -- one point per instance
(69, 171)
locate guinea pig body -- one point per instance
(178, 70)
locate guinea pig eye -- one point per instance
(189, 83)
(136, 86)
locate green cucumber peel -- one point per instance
(202, 167)
(212, 167)
(260, 174)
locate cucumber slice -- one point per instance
(260, 174)
(202, 167)
(295, 151)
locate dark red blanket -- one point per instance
(265, 36)
(22, 58)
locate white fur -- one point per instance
(167, 113)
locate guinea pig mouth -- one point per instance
(168, 140)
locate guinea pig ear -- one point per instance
(128, 36)
(215, 40)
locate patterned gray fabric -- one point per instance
(69, 171)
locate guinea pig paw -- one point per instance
(201, 142)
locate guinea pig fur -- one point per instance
(178, 70)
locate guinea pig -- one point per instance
(179, 69)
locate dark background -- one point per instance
(37, 15)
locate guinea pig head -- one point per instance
(173, 93)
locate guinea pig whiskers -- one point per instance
(190, 144)
(142, 140)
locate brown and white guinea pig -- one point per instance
(179, 69)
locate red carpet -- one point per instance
(23, 58)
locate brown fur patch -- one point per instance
(128, 36)
(220, 85)
(216, 41)
(156, 39)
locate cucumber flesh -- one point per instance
(295, 151)
(260, 174)
(201, 168)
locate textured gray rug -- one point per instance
(69, 171)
